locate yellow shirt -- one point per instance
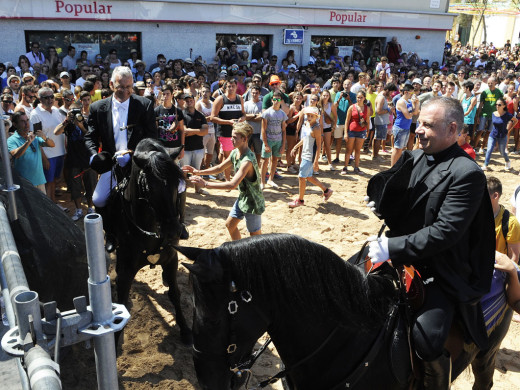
(96, 96)
(513, 235)
(372, 98)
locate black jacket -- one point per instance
(446, 229)
(141, 124)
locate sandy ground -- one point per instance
(153, 356)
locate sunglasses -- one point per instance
(69, 99)
(277, 100)
(31, 97)
(499, 104)
(7, 101)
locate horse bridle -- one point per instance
(240, 368)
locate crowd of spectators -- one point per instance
(368, 101)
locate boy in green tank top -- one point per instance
(250, 203)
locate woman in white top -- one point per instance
(329, 124)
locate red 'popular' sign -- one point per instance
(350, 17)
(82, 8)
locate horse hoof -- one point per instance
(184, 232)
(186, 337)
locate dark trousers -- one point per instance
(432, 323)
(484, 363)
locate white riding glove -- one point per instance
(378, 249)
(122, 159)
(372, 206)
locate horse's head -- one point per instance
(153, 190)
(227, 321)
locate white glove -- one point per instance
(122, 159)
(372, 206)
(378, 249)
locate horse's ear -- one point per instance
(206, 264)
(190, 252)
(176, 152)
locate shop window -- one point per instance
(325, 46)
(253, 44)
(91, 42)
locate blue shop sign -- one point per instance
(292, 36)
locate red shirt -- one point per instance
(469, 150)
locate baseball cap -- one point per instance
(188, 61)
(311, 110)
(274, 80)
(140, 85)
(417, 81)
(133, 51)
(64, 74)
(254, 61)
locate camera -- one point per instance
(76, 114)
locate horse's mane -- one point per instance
(293, 272)
(157, 160)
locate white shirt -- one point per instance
(80, 82)
(120, 121)
(40, 59)
(68, 63)
(49, 120)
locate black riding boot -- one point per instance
(181, 206)
(110, 238)
(437, 373)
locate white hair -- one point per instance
(43, 91)
(121, 72)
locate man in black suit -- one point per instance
(117, 123)
(445, 229)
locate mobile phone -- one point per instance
(37, 126)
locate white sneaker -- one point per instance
(90, 210)
(480, 151)
(508, 165)
(331, 167)
(64, 209)
(78, 214)
(272, 184)
(262, 186)
(323, 158)
(484, 167)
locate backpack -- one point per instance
(505, 223)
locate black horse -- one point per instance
(333, 326)
(145, 219)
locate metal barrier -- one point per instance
(35, 338)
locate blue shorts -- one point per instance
(55, 168)
(357, 134)
(253, 221)
(485, 124)
(381, 132)
(400, 137)
(306, 169)
(275, 149)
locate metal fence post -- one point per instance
(101, 302)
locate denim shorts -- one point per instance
(381, 132)
(193, 158)
(357, 134)
(400, 137)
(486, 123)
(275, 149)
(253, 221)
(306, 169)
